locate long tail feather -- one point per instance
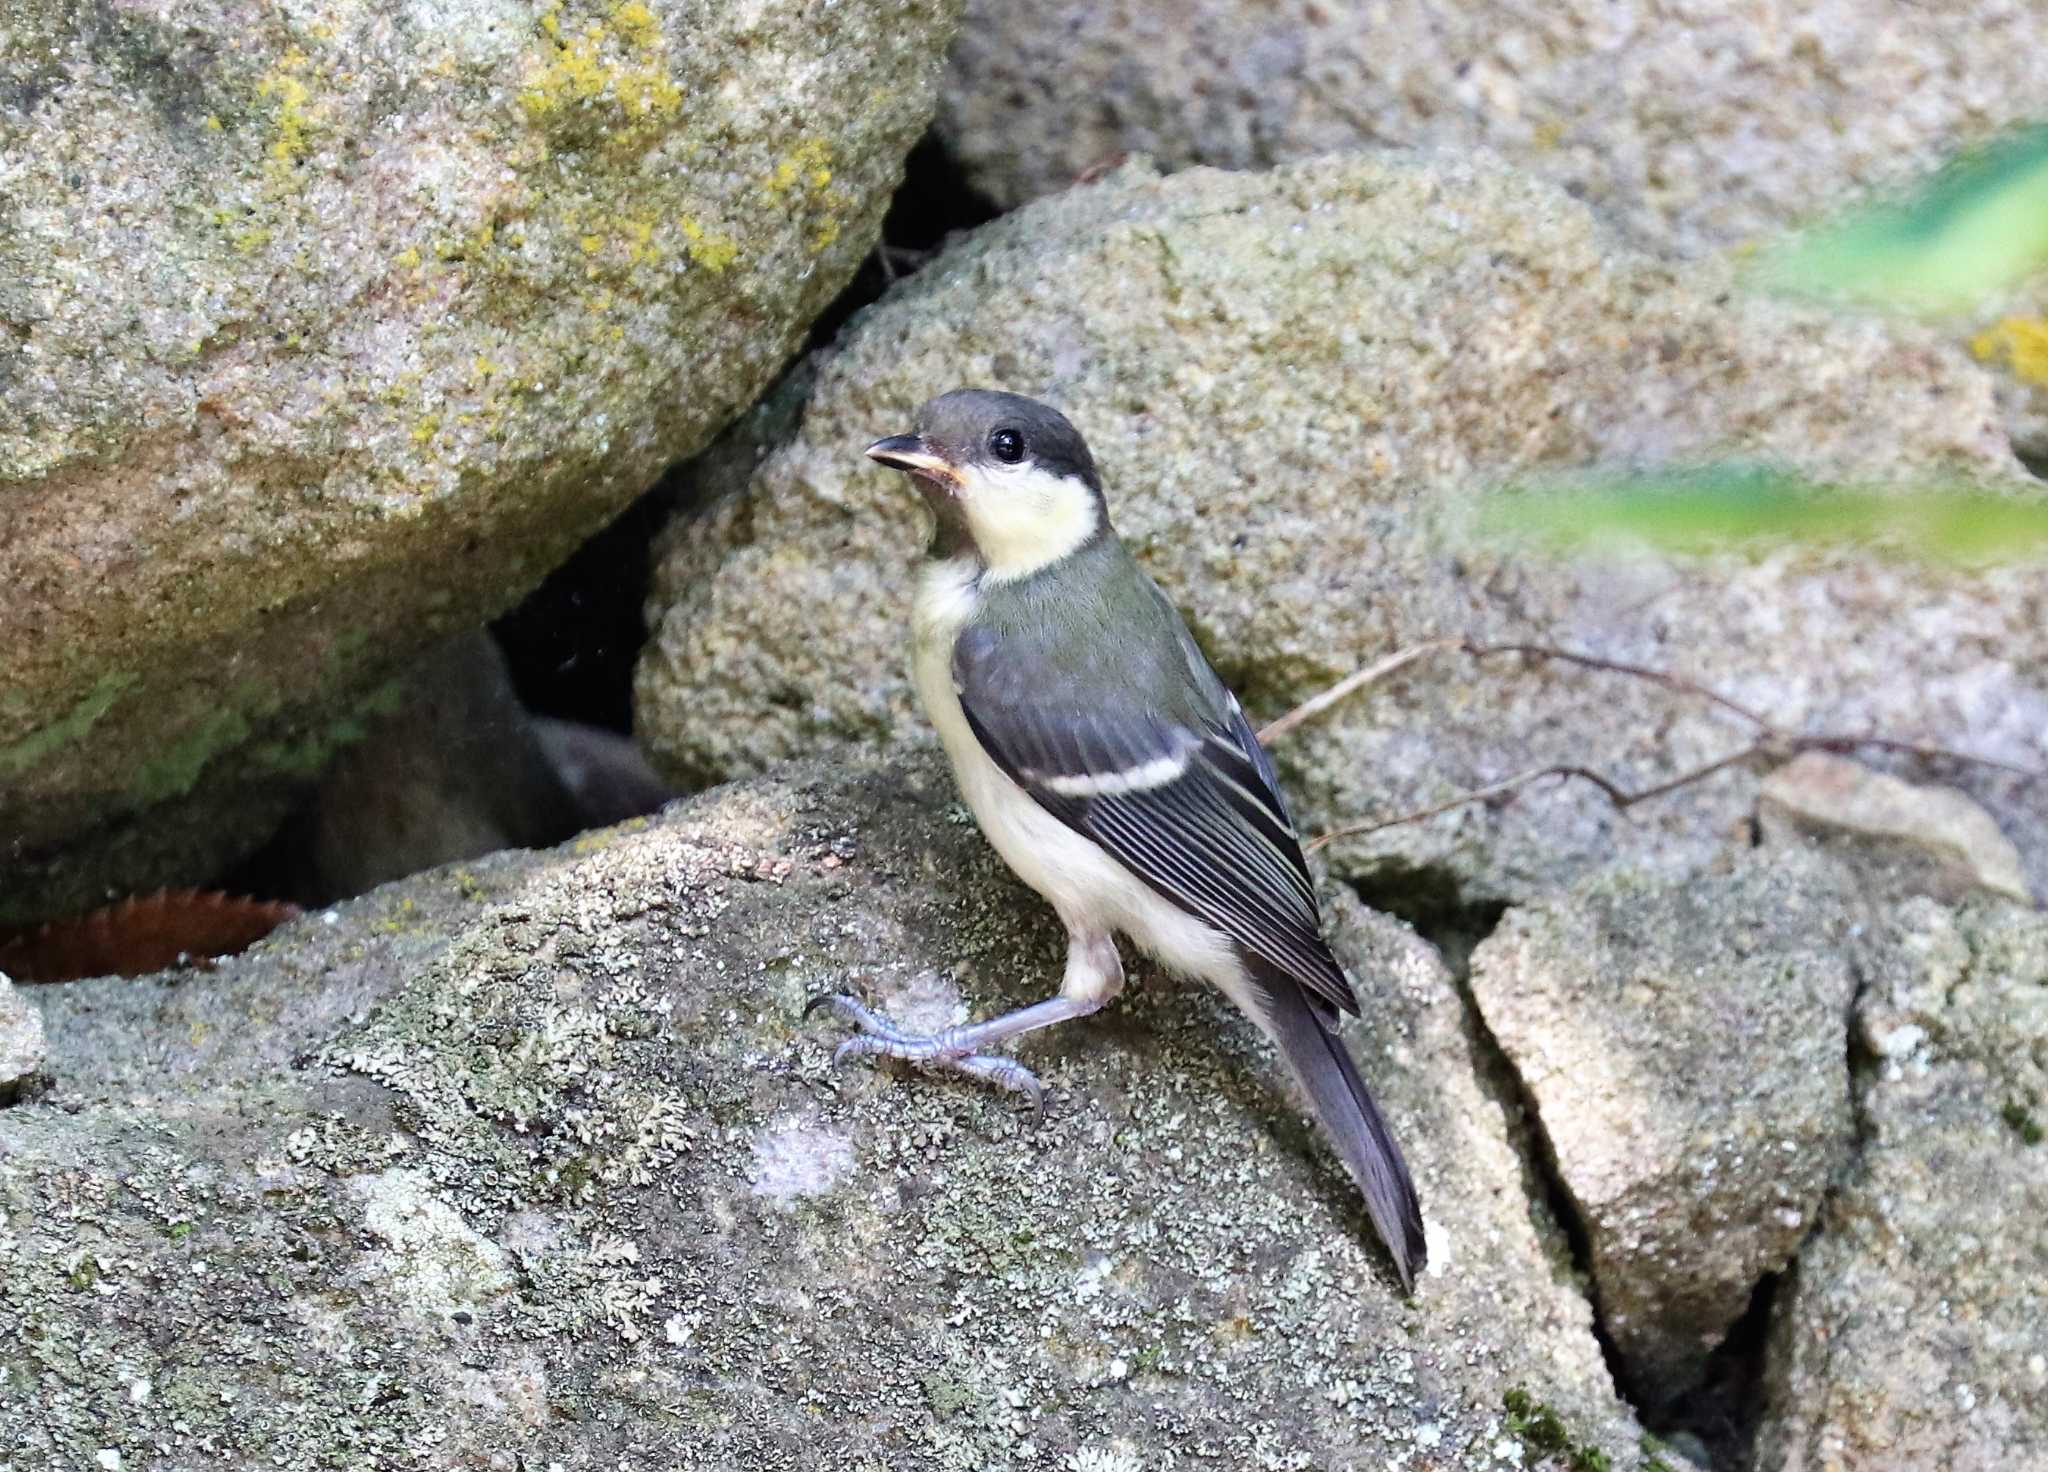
(1321, 1062)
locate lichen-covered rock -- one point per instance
(1911, 1336)
(21, 1039)
(1685, 1046)
(1912, 836)
(331, 327)
(536, 1160)
(1291, 381)
(1697, 125)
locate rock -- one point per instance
(1931, 840)
(1293, 382)
(607, 778)
(440, 288)
(1910, 1336)
(22, 1048)
(1685, 1047)
(534, 1161)
(1694, 127)
(458, 769)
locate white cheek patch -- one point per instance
(1024, 518)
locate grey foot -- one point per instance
(875, 1036)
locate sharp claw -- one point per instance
(824, 999)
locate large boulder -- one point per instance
(1693, 125)
(1293, 381)
(329, 332)
(1910, 1336)
(533, 1162)
(1690, 127)
(1685, 1047)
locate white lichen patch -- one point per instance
(432, 1260)
(515, 1392)
(794, 1161)
(1115, 1456)
(924, 1002)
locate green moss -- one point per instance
(2021, 1121)
(1653, 1449)
(309, 756)
(177, 770)
(82, 717)
(1543, 1434)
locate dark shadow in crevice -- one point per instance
(572, 642)
(1719, 1417)
(1716, 1422)
(1431, 899)
(934, 201)
(2036, 463)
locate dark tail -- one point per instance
(1320, 1060)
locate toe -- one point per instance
(1004, 1073)
(858, 1046)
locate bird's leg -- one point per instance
(1094, 975)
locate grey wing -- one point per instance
(1187, 802)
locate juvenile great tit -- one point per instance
(1111, 769)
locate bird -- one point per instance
(1114, 772)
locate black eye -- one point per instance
(1007, 446)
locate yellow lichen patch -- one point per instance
(284, 86)
(638, 231)
(409, 258)
(712, 251)
(637, 24)
(616, 68)
(425, 428)
(809, 164)
(2021, 343)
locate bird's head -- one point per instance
(1005, 473)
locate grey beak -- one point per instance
(909, 452)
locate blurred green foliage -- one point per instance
(1722, 507)
(1978, 226)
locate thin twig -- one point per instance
(1665, 678)
(1620, 796)
(1315, 705)
(1770, 738)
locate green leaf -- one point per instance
(1977, 226)
(1723, 507)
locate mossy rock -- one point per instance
(331, 329)
(536, 1159)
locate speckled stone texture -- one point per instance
(329, 328)
(1906, 838)
(1914, 1334)
(1292, 381)
(1685, 1047)
(21, 1038)
(536, 1160)
(1693, 124)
